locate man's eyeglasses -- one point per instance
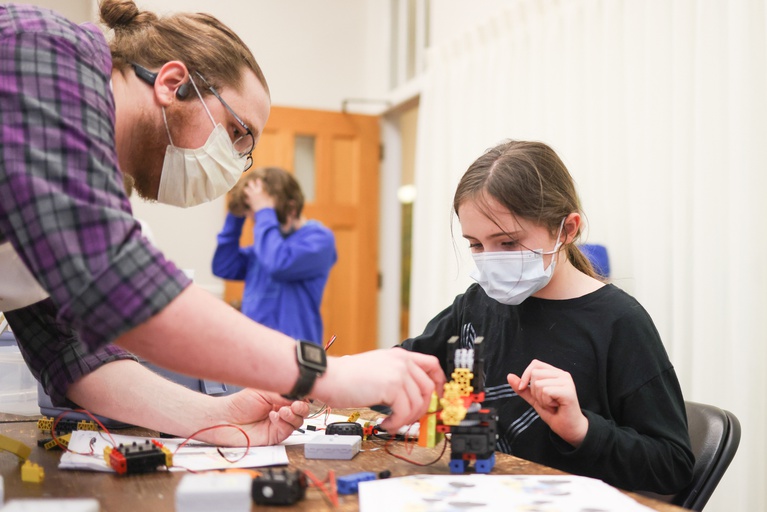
(243, 145)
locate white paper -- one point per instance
(194, 455)
(510, 493)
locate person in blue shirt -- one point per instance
(287, 267)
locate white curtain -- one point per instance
(659, 110)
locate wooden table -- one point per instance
(156, 491)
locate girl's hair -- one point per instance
(199, 40)
(530, 180)
(279, 184)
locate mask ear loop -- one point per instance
(167, 130)
(203, 102)
(559, 235)
(165, 118)
(559, 242)
(555, 252)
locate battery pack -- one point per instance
(57, 504)
(332, 447)
(214, 491)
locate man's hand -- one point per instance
(551, 392)
(127, 391)
(395, 377)
(266, 417)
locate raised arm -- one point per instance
(230, 261)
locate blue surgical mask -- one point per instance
(512, 276)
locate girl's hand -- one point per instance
(551, 392)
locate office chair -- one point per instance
(715, 436)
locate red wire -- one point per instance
(247, 441)
(325, 409)
(402, 457)
(332, 485)
(66, 448)
(331, 495)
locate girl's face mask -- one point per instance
(512, 276)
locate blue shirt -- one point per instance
(285, 275)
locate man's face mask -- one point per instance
(195, 176)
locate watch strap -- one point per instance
(307, 374)
(303, 385)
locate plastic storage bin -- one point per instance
(18, 388)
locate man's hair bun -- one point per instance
(124, 15)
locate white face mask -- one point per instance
(195, 176)
(512, 276)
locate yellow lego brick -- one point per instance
(45, 424)
(453, 414)
(433, 403)
(428, 424)
(107, 453)
(462, 377)
(353, 417)
(449, 417)
(427, 434)
(63, 440)
(31, 472)
(87, 425)
(451, 390)
(168, 456)
(18, 448)
(462, 374)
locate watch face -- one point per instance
(313, 356)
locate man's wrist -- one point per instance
(312, 364)
(323, 389)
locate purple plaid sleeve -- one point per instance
(62, 202)
(53, 352)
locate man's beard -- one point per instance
(147, 148)
(146, 153)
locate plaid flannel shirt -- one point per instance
(62, 202)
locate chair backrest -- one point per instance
(597, 255)
(714, 436)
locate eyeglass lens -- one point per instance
(244, 145)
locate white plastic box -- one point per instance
(18, 388)
(332, 447)
(206, 492)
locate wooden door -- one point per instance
(346, 182)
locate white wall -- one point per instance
(313, 54)
(78, 11)
(452, 17)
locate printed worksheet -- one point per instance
(511, 493)
(194, 455)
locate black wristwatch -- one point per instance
(312, 362)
